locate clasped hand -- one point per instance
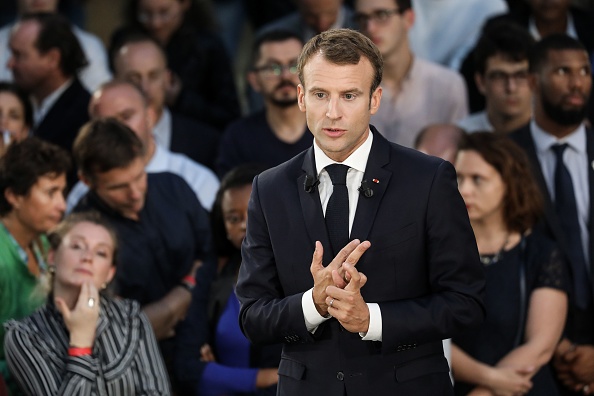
(337, 287)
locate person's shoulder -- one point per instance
(122, 308)
(475, 122)
(190, 170)
(288, 170)
(246, 126)
(88, 40)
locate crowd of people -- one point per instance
(127, 172)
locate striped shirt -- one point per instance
(125, 358)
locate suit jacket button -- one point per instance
(340, 376)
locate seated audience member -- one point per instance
(202, 86)
(501, 75)
(445, 31)
(45, 59)
(141, 61)
(125, 102)
(440, 140)
(416, 93)
(540, 18)
(313, 17)
(279, 132)
(561, 149)
(164, 231)
(32, 183)
(229, 364)
(83, 341)
(91, 76)
(16, 115)
(525, 297)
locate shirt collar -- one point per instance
(357, 160)
(544, 140)
(570, 31)
(162, 129)
(41, 109)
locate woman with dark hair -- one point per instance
(32, 184)
(525, 296)
(82, 341)
(16, 115)
(202, 84)
(230, 364)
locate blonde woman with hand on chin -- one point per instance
(83, 342)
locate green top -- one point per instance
(19, 295)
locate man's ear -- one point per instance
(301, 97)
(376, 98)
(253, 81)
(85, 179)
(480, 83)
(53, 57)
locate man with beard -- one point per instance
(279, 132)
(561, 149)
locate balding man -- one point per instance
(125, 102)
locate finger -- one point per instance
(316, 261)
(62, 307)
(83, 295)
(355, 282)
(355, 255)
(344, 253)
(338, 279)
(363, 280)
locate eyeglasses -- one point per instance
(500, 77)
(378, 16)
(275, 70)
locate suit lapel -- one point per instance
(311, 207)
(377, 179)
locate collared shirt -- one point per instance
(201, 179)
(358, 162)
(41, 109)
(570, 31)
(476, 122)
(575, 158)
(162, 129)
(430, 94)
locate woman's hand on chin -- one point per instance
(81, 321)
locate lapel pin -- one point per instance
(376, 181)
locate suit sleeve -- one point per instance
(455, 275)
(266, 315)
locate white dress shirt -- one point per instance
(357, 162)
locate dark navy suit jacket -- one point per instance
(422, 268)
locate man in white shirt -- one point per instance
(416, 92)
(91, 76)
(125, 102)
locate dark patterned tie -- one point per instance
(566, 208)
(337, 210)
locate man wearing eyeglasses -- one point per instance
(416, 92)
(279, 132)
(501, 64)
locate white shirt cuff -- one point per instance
(374, 333)
(311, 315)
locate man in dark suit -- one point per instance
(46, 57)
(376, 329)
(558, 143)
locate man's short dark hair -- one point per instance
(343, 47)
(504, 38)
(23, 98)
(271, 36)
(24, 163)
(105, 144)
(554, 42)
(55, 32)
(403, 5)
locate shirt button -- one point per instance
(340, 376)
